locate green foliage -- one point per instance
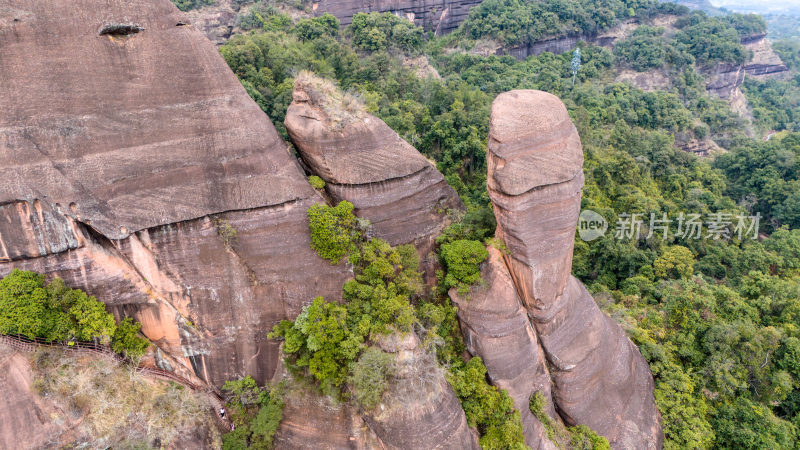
(789, 51)
(333, 230)
(775, 103)
(55, 312)
(676, 262)
(126, 340)
(317, 27)
(516, 22)
(647, 49)
(379, 31)
(186, 5)
(462, 258)
(577, 437)
(370, 375)
(747, 425)
(257, 412)
(767, 175)
(316, 182)
(326, 339)
(711, 40)
(489, 409)
(226, 232)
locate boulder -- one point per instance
(365, 162)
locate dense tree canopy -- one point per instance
(714, 314)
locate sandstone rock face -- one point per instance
(439, 16)
(765, 62)
(365, 162)
(599, 378)
(723, 79)
(311, 421)
(127, 148)
(496, 327)
(419, 409)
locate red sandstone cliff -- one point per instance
(126, 146)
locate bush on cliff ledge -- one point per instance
(462, 258)
(333, 230)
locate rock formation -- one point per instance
(136, 167)
(439, 16)
(765, 63)
(599, 378)
(496, 328)
(365, 162)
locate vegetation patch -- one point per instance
(186, 5)
(334, 233)
(54, 312)
(579, 437)
(462, 258)
(115, 407)
(316, 182)
(341, 108)
(256, 413)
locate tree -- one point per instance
(575, 65)
(333, 230)
(91, 319)
(462, 258)
(126, 339)
(676, 262)
(370, 376)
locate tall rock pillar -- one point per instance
(535, 177)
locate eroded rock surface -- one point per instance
(496, 328)
(599, 378)
(419, 409)
(365, 162)
(136, 167)
(439, 16)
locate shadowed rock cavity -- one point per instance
(119, 161)
(598, 377)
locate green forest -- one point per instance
(706, 282)
(716, 316)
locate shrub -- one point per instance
(226, 232)
(333, 230)
(126, 339)
(462, 258)
(313, 28)
(488, 408)
(257, 412)
(316, 182)
(379, 31)
(370, 376)
(676, 262)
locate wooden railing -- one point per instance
(25, 344)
